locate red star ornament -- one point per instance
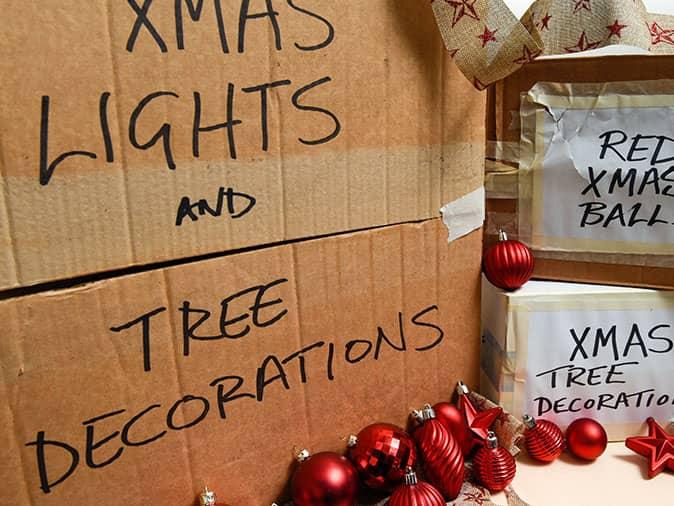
(615, 29)
(657, 447)
(479, 422)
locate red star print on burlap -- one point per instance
(545, 22)
(583, 45)
(487, 36)
(660, 35)
(453, 52)
(476, 497)
(527, 56)
(582, 5)
(657, 447)
(463, 8)
(615, 29)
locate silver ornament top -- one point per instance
(492, 440)
(424, 414)
(302, 455)
(502, 236)
(529, 421)
(410, 477)
(351, 441)
(207, 497)
(462, 388)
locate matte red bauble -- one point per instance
(544, 439)
(452, 418)
(415, 493)
(508, 264)
(441, 456)
(380, 453)
(207, 498)
(586, 438)
(493, 466)
(324, 479)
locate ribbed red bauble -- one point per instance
(586, 438)
(493, 466)
(415, 493)
(380, 453)
(452, 418)
(207, 498)
(441, 456)
(324, 479)
(544, 439)
(508, 264)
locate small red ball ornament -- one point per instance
(452, 418)
(415, 493)
(493, 466)
(586, 438)
(380, 453)
(207, 498)
(324, 479)
(440, 453)
(508, 264)
(544, 439)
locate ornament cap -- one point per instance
(302, 455)
(410, 477)
(207, 497)
(492, 440)
(502, 236)
(424, 414)
(462, 388)
(529, 421)
(351, 441)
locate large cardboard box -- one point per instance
(509, 206)
(138, 132)
(140, 389)
(562, 351)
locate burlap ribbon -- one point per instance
(488, 42)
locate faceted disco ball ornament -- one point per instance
(381, 453)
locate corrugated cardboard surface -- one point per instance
(360, 295)
(503, 125)
(410, 136)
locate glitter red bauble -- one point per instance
(493, 466)
(586, 438)
(452, 418)
(658, 447)
(508, 264)
(544, 439)
(415, 493)
(325, 479)
(380, 453)
(441, 456)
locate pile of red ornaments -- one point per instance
(384, 457)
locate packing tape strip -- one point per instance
(488, 43)
(464, 214)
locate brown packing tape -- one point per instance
(488, 43)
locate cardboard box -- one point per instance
(504, 130)
(138, 132)
(210, 372)
(562, 351)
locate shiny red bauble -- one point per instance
(586, 438)
(441, 455)
(415, 493)
(544, 439)
(324, 479)
(508, 264)
(493, 466)
(380, 453)
(452, 418)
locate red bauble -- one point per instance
(493, 466)
(452, 418)
(586, 438)
(324, 479)
(415, 493)
(544, 439)
(508, 264)
(441, 456)
(380, 453)
(658, 447)
(479, 422)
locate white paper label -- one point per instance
(616, 366)
(607, 181)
